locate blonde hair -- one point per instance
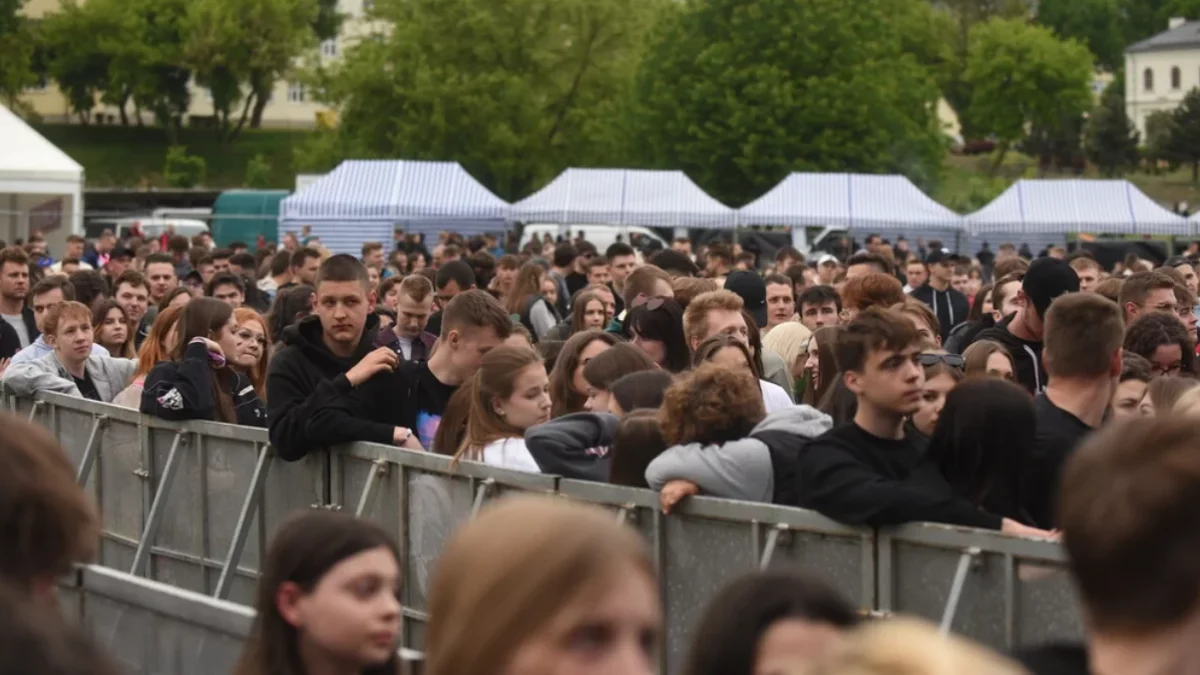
(495, 379)
(257, 374)
(902, 646)
(695, 317)
(1188, 403)
(481, 613)
(788, 340)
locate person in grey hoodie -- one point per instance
(758, 468)
(574, 446)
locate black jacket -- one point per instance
(183, 390)
(10, 342)
(30, 324)
(1026, 356)
(950, 306)
(301, 376)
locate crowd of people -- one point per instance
(891, 386)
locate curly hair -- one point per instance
(872, 290)
(711, 404)
(1154, 329)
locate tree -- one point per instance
(1160, 127)
(1185, 133)
(963, 16)
(1095, 23)
(1023, 77)
(75, 59)
(1110, 139)
(727, 95)
(515, 90)
(16, 48)
(258, 173)
(183, 170)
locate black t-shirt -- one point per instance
(575, 283)
(434, 326)
(1058, 659)
(420, 404)
(87, 388)
(1058, 433)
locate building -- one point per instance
(291, 105)
(1161, 70)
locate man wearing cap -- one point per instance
(1021, 333)
(950, 306)
(753, 291)
(827, 270)
(118, 261)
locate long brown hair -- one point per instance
(827, 365)
(257, 374)
(528, 284)
(579, 308)
(563, 397)
(126, 351)
(154, 348)
(205, 317)
(481, 614)
(304, 549)
(706, 350)
(495, 379)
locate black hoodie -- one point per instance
(1026, 356)
(303, 374)
(950, 306)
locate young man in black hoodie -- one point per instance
(873, 471)
(1046, 279)
(950, 306)
(1129, 516)
(323, 355)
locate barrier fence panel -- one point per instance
(421, 498)
(1006, 592)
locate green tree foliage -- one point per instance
(1095, 23)
(728, 95)
(963, 16)
(16, 50)
(183, 170)
(515, 90)
(1160, 128)
(1023, 77)
(258, 173)
(1110, 139)
(1185, 133)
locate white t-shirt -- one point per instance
(774, 397)
(509, 453)
(406, 347)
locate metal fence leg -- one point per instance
(481, 495)
(33, 411)
(245, 517)
(90, 452)
(623, 513)
(367, 499)
(157, 506)
(772, 543)
(960, 580)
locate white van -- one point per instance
(600, 236)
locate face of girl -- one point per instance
(392, 297)
(529, 404)
(1127, 399)
(813, 363)
(998, 365)
(352, 616)
(655, 349)
(594, 315)
(598, 400)
(617, 634)
(933, 397)
(789, 643)
(590, 351)
(113, 330)
(731, 357)
(227, 338)
(1166, 360)
(550, 290)
(251, 343)
(987, 306)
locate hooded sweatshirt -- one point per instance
(574, 446)
(302, 375)
(744, 469)
(950, 306)
(1026, 356)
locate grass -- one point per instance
(133, 157)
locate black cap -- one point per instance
(1176, 261)
(121, 251)
(938, 256)
(1046, 279)
(753, 292)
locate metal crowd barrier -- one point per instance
(193, 505)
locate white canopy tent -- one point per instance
(1075, 206)
(41, 188)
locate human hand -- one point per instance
(1008, 526)
(673, 492)
(378, 361)
(405, 438)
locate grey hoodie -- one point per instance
(738, 469)
(574, 446)
(109, 375)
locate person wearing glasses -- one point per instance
(943, 372)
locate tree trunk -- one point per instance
(260, 104)
(124, 115)
(1002, 150)
(1195, 171)
(245, 116)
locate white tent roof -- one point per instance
(31, 164)
(623, 197)
(849, 200)
(1075, 205)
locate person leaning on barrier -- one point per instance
(200, 381)
(72, 368)
(47, 293)
(319, 353)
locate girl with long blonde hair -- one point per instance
(253, 348)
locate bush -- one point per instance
(258, 173)
(182, 170)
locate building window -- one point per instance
(1148, 80)
(1176, 78)
(296, 92)
(329, 48)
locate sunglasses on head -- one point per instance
(650, 304)
(952, 360)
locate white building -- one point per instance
(1161, 70)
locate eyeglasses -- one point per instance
(953, 360)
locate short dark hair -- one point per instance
(817, 296)
(133, 278)
(225, 279)
(54, 282)
(1129, 512)
(178, 244)
(280, 263)
(1135, 367)
(89, 285)
(457, 271)
(476, 309)
(371, 246)
(302, 254)
(880, 263)
(873, 329)
(564, 255)
(244, 260)
(416, 287)
(720, 251)
(675, 263)
(779, 279)
(222, 254)
(598, 261)
(342, 268)
(1082, 332)
(788, 252)
(618, 249)
(1138, 286)
(159, 258)
(14, 254)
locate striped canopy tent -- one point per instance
(1074, 206)
(623, 197)
(367, 200)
